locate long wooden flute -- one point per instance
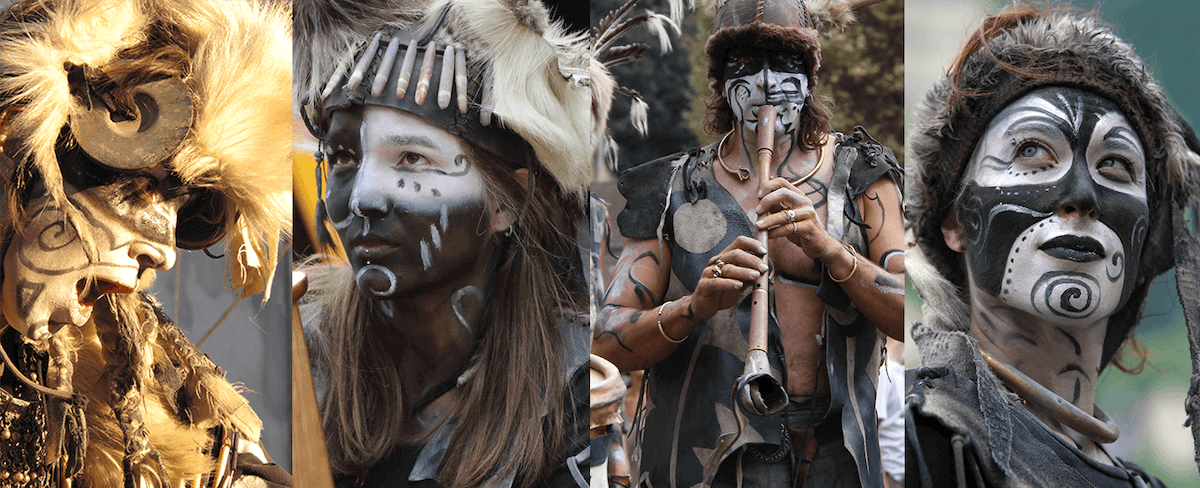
(759, 392)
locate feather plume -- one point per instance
(624, 54)
(657, 24)
(638, 115)
(830, 15)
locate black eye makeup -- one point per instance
(744, 62)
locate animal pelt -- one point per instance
(537, 70)
(325, 30)
(1057, 49)
(237, 66)
(182, 397)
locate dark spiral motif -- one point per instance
(56, 236)
(1066, 294)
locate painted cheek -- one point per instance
(994, 218)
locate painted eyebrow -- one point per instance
(411, 140)
(1042, 120)
(1116, 135)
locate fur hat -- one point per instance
(1012, 54)
(774, 25)
(227, 66)
(498, 73)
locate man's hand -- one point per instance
(784, 211)
(728, 276)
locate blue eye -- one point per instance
(1034, 150)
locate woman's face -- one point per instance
(407, 204)
(1054, 213)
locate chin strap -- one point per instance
(1187, 280)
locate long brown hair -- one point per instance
(511, 416)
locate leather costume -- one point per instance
(687, 409)
(964, 424)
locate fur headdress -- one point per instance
(226, 64)
(781, 25)
(1015, 53)
(496, 72)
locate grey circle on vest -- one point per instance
(699, 226)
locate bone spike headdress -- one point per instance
(484, 70)
(1019, 54)
(222, 124)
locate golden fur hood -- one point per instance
(237, 70)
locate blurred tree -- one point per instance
(662, 80)
(862, 68)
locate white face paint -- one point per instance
(785, 91)
(408, 206)
(49, 281)
(1058, 187)
(755, 78)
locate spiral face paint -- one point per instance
(405, 201)
(49, 279)
(1058, 189)
(756, 78)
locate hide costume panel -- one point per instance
(688, 414)
(1004, 444)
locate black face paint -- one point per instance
(405, 202)
(747, 61)
(786, 91)
(999, 222)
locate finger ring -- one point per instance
(717, 268)
(791, 215)
(794, 228)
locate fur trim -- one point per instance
(181, 443)
(763, 36)
(538, 72)
(325, 30)
(237, 69)
(1062, 50)
(830, 15)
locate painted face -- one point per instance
(1058, 190)
(755, 78)
(49, 281)
(407, 205)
